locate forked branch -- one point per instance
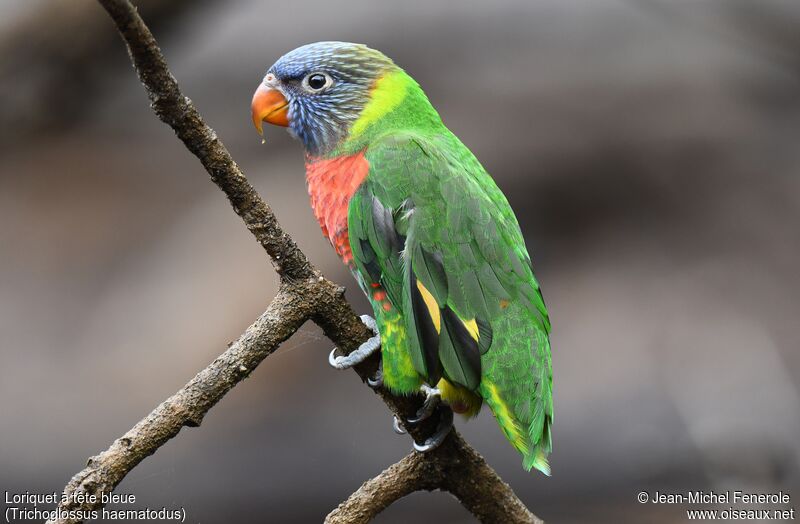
(304, 295)
(453, 467)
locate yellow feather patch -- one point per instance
(433, 307)
(386, 94)
(505, 418)
(472, 328)
(463, 401)
(391, 327)
(399, 373)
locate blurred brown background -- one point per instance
(649, 148)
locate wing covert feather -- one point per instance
(459, 270)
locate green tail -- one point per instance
(517, 386)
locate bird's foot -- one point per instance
(443, 426)
(432, 399)
(442, 430)
(364, 350)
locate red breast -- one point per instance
(331, 185)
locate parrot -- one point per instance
(429, 237)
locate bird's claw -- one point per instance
(364, 350)
(443, 426)
(442, 430)
(397, 427)
(432, 399)
(376, 380)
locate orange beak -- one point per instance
(269, 105)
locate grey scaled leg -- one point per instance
(442, 430)
(364, 350)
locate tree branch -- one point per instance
(304, 295)
(187, 407)
(73, 54)
(178, 112)
(375, 495)
(453, 467)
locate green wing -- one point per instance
(432, 229)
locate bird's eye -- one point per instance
(316, 82)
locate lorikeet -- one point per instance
(428, 235)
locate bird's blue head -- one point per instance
(318, 91)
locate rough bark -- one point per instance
(453, 467)
(304, 295)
